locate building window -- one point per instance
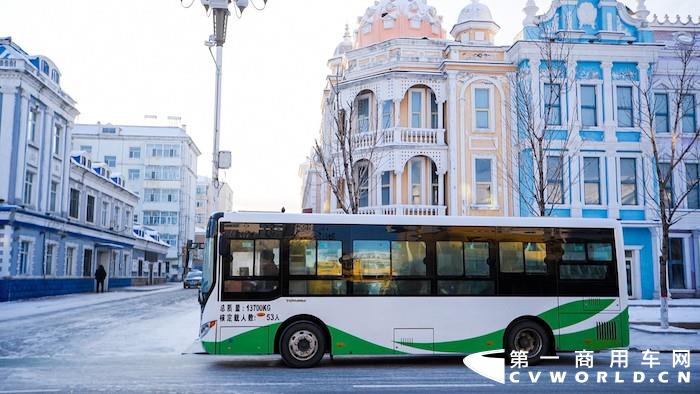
(667, 175)
(135, 152)
(74, 209)
(23, 258)
(433, 111)
(117, 218)
(28, 188)
(482, 108)
(363, 115)
(199, 204)
(57, 133)
(170, 239)
(158, 218)
(105, 214)
(53, 197)
(434, 184)
(111, 161)
(661, 112)
(689, 117)
(484, 181)
(692, 172)
(70, 261)
(90, 209)
(388, 114)
(362, 179)
(134, 175)
(555, 179)
(386, 188)
(676, 262)
(552, 104)
(171, 195)
(162, 173)
(416, 183)
(589, 106)
(49, 256)
(625, 107)
(628, 181)
(416, 109)
(32, 125)
(591, 181)
(86, 148)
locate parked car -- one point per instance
(192, 280)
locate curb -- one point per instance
(636, 349)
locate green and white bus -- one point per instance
(303, 286)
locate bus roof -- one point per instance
(287, 218)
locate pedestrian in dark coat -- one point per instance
(100, 276)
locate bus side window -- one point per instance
(511, 257)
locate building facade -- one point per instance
(439, 118)
(209, 200)
(160, 165)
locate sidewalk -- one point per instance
(41, 306)
(685, 302)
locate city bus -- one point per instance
(305, 285)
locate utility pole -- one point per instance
(220, 12)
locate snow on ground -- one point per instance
(675, 314)
(39, 306)
(689, 302)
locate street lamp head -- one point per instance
(242, 4)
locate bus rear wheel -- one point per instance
(302, 345)
(530, 337)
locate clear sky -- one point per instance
(122, 59)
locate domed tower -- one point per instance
(345, 45)
(475, 25)
(388, 19)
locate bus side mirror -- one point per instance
(224, 247)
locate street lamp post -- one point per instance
(220, 13)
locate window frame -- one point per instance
(411, 113)
(53, 196)
(599, 183)
(688, 182)
(546, 86)
(693, 115)
(77, 203)
(618, 108)
(28, 191)
(561, 181)
(386, 188)
(57, 140)
(596, 106)
(666, 113)
(87, 208)
(490, 112)
(28, 256)
(387, 116)
(135, 152)
(421, 169)
(492, 183)
(638, 197)
(363, 97)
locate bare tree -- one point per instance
(346, 151)
(672, 141)
(542, 139)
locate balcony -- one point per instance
(399, 136)
(402, 210)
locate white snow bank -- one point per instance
(675, 315)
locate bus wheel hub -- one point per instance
(303, 345)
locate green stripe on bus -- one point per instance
(346, 344)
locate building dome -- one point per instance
(475, 12)
(345, 45)
(388, 19)
(475, 25)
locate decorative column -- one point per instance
(441, 189)
(535, 88)
(378, 193)
(453, 143)
(609, 107)
(399, 187)
(397, 112)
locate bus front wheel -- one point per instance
(528, 336)
(302, 345)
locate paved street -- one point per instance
(136, 345)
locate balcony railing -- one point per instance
(398, 136)
(402, 210)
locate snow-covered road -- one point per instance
(135, 344)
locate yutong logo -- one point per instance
(488, 365)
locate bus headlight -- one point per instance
(206, 327)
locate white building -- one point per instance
(210, 200)
(160, 165)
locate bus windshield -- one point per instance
(208, 266)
